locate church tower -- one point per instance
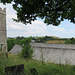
(3, 36)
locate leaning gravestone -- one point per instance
(3, 38)
(15, 70)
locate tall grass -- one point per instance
(42, 68)
(2, 63)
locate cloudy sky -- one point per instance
(37, 28)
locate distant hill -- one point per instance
(48, 36)
(49, 39)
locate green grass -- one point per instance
(42, 68)
(2, 63)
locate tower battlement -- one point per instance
(2, 11)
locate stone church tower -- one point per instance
(3, 38)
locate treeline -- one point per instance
(11, 42)
(70, 41)
(48, 38)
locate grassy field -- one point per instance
(56, 41)
(41, 67)
(50, 39)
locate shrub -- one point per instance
(27, 51)
(11, 43)
(2, 63)
(70, 41)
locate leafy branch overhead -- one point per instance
(51, 11)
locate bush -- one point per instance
(2, 63)
(11, 43)
(70, 41)
(27, 51)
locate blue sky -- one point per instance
(37, 28)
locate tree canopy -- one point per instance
(51, 11)
(70, 41)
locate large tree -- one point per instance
(51, 11)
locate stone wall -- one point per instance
(57, 53)
(64, 46)
(3, 39)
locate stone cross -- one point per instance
(3, 38)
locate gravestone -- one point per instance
(3, 38)
(15, 70)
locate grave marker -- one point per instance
(15, 70)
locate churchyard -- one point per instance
(44, 59)
(41, 67)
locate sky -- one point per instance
(37, 28)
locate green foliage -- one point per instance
(2, 63)
(52, 11)
(42, 68)
(43, 39)
(18, 40)
(27, 50)
(70, 41)
(47, 38)
(11, 43)
(6, 1)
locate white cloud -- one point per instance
(15, 27)
(59, 29)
